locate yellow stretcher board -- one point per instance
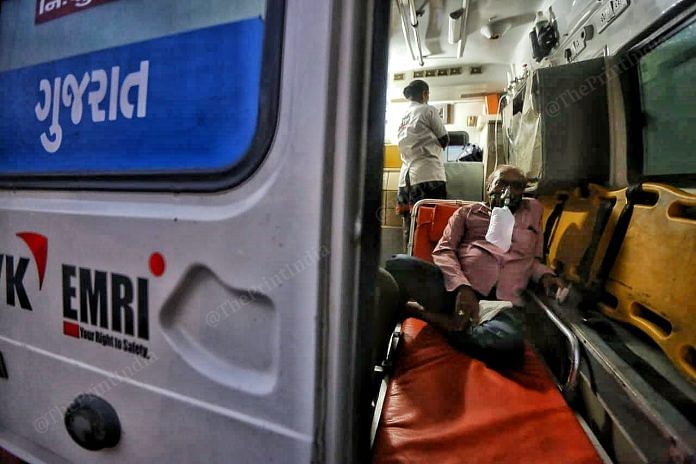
(651, 285)
(653, 277)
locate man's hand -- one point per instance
(411, 309)
(551, 284)
(465, 308)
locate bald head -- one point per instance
(506, 178)
(505, 171)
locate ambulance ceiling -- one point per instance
(494, 56)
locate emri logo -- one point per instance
(106, 300)
(108, 308)
(14, 269)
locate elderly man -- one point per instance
(470, 268)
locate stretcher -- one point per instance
(645, 284)
(440, 405)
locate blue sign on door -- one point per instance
(186, 102)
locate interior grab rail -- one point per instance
(404, 28)
(568, 388)
(464, 32)
(416, 33)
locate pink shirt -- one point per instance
(466, 258)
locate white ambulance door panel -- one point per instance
(160, 216)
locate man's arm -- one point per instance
(446, 258)
(444, 141)
(445, 253)
(438, 128)
(540, 269)
(541, 272)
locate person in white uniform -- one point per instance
(422, 137)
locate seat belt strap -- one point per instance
(552, 222)
(601, 220)
(633, 193)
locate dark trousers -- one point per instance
(498, 342)
(408, 196)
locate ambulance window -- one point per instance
(668, 101)
(163, 93)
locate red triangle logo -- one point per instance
(38, 245)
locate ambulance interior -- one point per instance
(591, 99)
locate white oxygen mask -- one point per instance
(502, 223)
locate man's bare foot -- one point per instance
(411, 309)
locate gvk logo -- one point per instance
(13, 269)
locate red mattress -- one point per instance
(445, 407)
